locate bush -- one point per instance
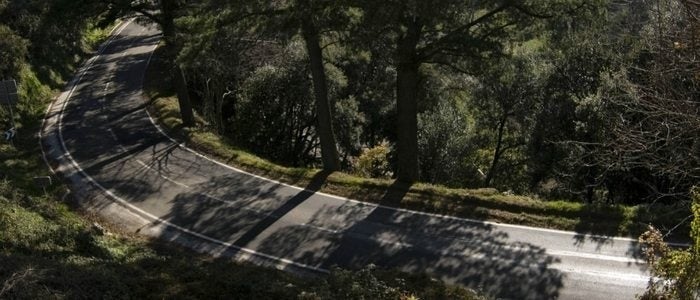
(275, 114)
(373, 162)
(443, 145)
(13, 50)
(373, 283)
(347, 123)
(678, 271)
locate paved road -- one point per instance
(101, 131)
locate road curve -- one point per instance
(98, 134)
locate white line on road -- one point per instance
(563, 253)
(596, 256)
(612, 275)
(547, 230)
(282, 261)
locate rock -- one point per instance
(98, 229)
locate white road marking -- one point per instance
(282, 261)
(50, 106)
(611, 275)
(103, 100)
(546, 230)
(623, 259)
(403, 210)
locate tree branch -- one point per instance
(435, 47)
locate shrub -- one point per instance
(678, 271)
(373, 162)
(444, 142)
(275, 114)
(373, 283)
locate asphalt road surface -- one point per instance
(100, 128)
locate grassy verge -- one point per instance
(50, 249)
(483, 204)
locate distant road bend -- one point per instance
(98, 134)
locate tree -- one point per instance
(276, 114)
(444, 140)
(506, 100)
(164, 13)
(652, 105)
(309, 19)
(13, 51)
(568, 127)
(452, 32)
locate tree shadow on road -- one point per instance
(472, 254)
(236, 207)
(316, 183)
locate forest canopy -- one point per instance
(592, 100)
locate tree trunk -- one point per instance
(497, 154)
(329, 151)
(167, 24)
(407, 104)
(183, 96)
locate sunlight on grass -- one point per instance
(484, 203)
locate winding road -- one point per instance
(99, 137)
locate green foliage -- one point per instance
(373, 162)
(370, 82)
(505, 101)
(13, 52)
(677, 272)
(444, 142)
(373, 283)
(275, 113)
(54, 30)
(348, 122)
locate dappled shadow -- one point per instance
(236, 207)
(354, 235)
(296, 225)
(140, 270)
(395, 194)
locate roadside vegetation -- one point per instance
(572, 115)
(482, 203)
(51, 249)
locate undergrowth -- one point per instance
(52, 250)
(483, 204)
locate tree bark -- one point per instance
(329, 150)
(183, 96)
(497, 154)
(407, 103)
(167, 24)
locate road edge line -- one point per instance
(281, 262)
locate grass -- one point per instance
(48, 251)
(482, 204)
(51, 249)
